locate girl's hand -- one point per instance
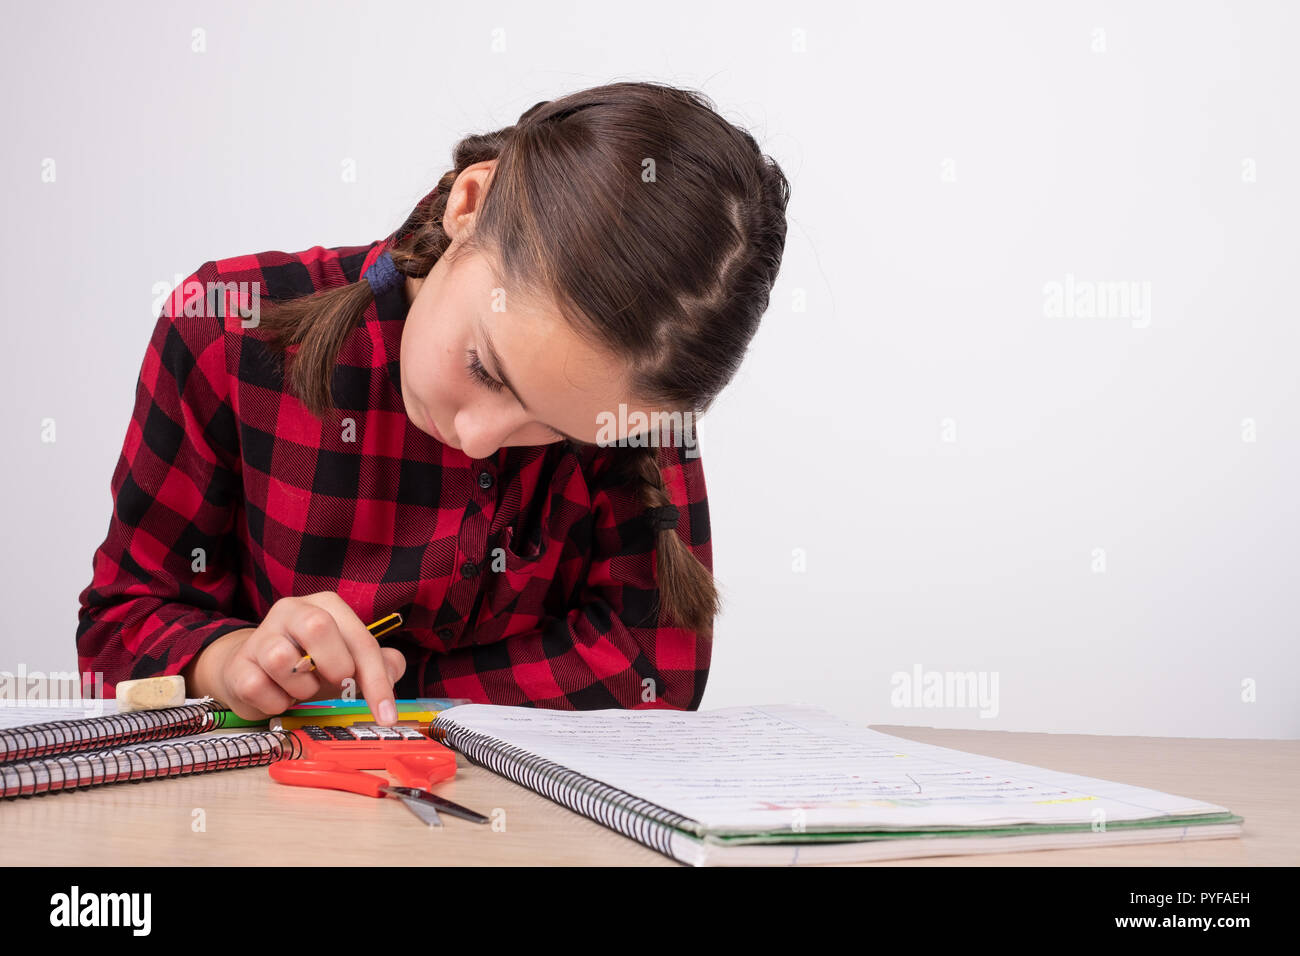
(254, 677)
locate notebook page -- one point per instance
(23, 712)
(782, 767)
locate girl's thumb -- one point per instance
(395, 661)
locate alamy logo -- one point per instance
(1085, 299)
(657, 430)
(941, 689)
(102, 909)
(201, 300)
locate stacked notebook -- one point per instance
(791, 784)
(69, 745)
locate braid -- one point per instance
(687, 589)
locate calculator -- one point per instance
(368, 746)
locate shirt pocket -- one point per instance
(519, 552)
(518, 578)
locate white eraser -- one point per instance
(150, 693)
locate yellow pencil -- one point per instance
(379, 629)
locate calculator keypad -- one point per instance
(363, 731)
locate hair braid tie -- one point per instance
(382, 274)
(664, 518)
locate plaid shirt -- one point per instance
(229, 495)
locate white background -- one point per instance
(948, 160)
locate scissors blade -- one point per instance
(427, 813)
(443, 804)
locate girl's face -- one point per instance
(458, 315)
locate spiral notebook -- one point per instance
(45, 749)
(50, 727)
(792, 784)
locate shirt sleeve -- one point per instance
(164, 581)
(612, 650)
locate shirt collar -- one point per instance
(384, 321)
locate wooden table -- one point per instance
(242, 817)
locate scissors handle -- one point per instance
(421, 771)
(327, 775)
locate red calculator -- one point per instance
(368, 746)
(336, 758)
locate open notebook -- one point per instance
(787, 784)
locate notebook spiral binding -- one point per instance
(28, 778)
(111, 730)
(617, 809)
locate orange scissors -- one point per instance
(415, 773)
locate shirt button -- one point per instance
(445, 633)
(468, 569)
(485, 480)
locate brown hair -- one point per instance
(654, 225)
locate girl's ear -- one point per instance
(466, 197)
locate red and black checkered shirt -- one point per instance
(229, 495)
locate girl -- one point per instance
(446, 423)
